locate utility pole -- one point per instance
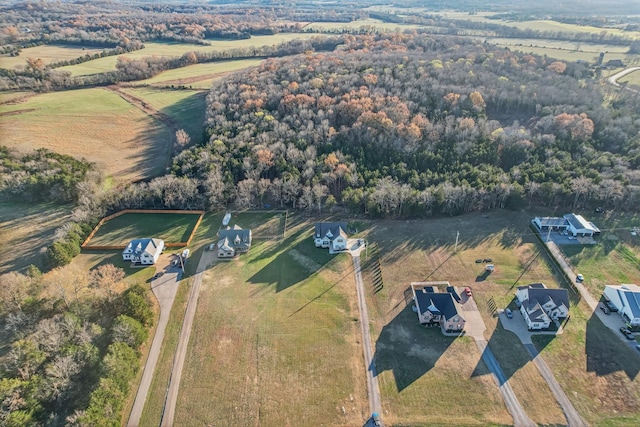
(455, 250)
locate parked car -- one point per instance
(487, 260)
(627, 333)
(467, 291)
(604, 309)
(508, 312)
(579, 278)
(638, 347)
(479, 261)
(376, 419)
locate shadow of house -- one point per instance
(290, 268)
(606, 353)
(408, 349)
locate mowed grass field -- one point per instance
(198, 76)
(170, 227)
(169, 49)
(275, 340)
(48, 53)
(420, 371)
(632, 79)
(93, 124)
(616, 257)
(25, 229)
(416, 361)
(186, 108)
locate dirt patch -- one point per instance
(16, 112)
(305, 261)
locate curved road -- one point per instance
(614, 79)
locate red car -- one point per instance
(467, 291)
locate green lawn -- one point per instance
(275, 340)
(186, 108)
(631, 78)
(172, 228)
(198, 76)
(48, 53)
(94, 124)
(169, 49)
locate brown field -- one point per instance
(273, 342)
(94, 124)
(25, 229)
(415, 360)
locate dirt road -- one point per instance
(164, 288)
(168, 413)
(372, 379)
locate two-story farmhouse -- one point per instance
(143, 251)
(540, 305)
(435, 307)
(332, 235)
(233, 240)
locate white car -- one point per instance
(579, 278)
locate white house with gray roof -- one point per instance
(540, 305)
(143, 251)
(332, 235)
(626, 298)
(574, 224)
(233, 240)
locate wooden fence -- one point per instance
(85, 244)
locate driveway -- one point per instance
(168, 413)
(164, 288)
(475, 327)
(518, 326)
(355, 246)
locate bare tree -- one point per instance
(182, 139)
(107, 278)
(531, 188)
(580, 187)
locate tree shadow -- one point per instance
(408, 349)
(606, 353)
(295, 265)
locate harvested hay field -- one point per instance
(93, 124)
(48, 53)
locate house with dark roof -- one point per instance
(143, 251)
(540, 305)
(233, 240)
(626, 298)
(332, 235)
(435, 307)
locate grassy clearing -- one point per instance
(48, 53)
(93, 124)
(414, 360)
(373, 23)
(186, 108)
(632, 79)
(14, 96)
(168, 49)
(616, 257)
(198, 76)
(172, 228)
(26, 228)
(274, 343)
(597, 371)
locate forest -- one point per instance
(411, 124)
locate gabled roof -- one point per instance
(138, 247)
(579, 223)
(630, 297)
(235, 237)
(330, 230)
(437, 303)
(533, 286)
(542, 296)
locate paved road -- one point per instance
(372, 379)
(164, 288)
(570, 413)
(169, 410)
(475, 327)
(614, 79)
